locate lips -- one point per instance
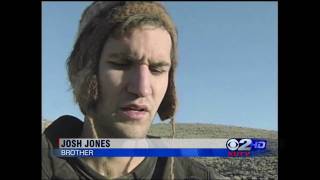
(134, 111)
(133, 108)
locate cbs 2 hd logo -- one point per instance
(237, 144)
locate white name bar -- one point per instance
(141, 143)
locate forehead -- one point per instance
(141, 42)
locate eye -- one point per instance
(157, 70)
(119, 65)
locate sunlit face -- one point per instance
(133, 79)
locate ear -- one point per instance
(93, 88)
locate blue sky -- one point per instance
(228, 66)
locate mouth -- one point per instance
(134, 112)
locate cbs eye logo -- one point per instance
(240, 145)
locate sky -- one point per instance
(227, 69)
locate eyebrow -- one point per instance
(127, 57)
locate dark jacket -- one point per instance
(74, 168)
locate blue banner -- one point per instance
(151, 152)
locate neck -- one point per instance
(111, 167)
(89, 130)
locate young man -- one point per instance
(122, 73)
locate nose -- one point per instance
(139, 81)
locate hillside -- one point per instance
(233, 168)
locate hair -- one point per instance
(103, 20)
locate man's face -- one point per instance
(133, 79)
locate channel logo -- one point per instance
(244, 147)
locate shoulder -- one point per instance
(64, 127)
(194, 170)
(54, 167)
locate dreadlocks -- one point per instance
(102, 20)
